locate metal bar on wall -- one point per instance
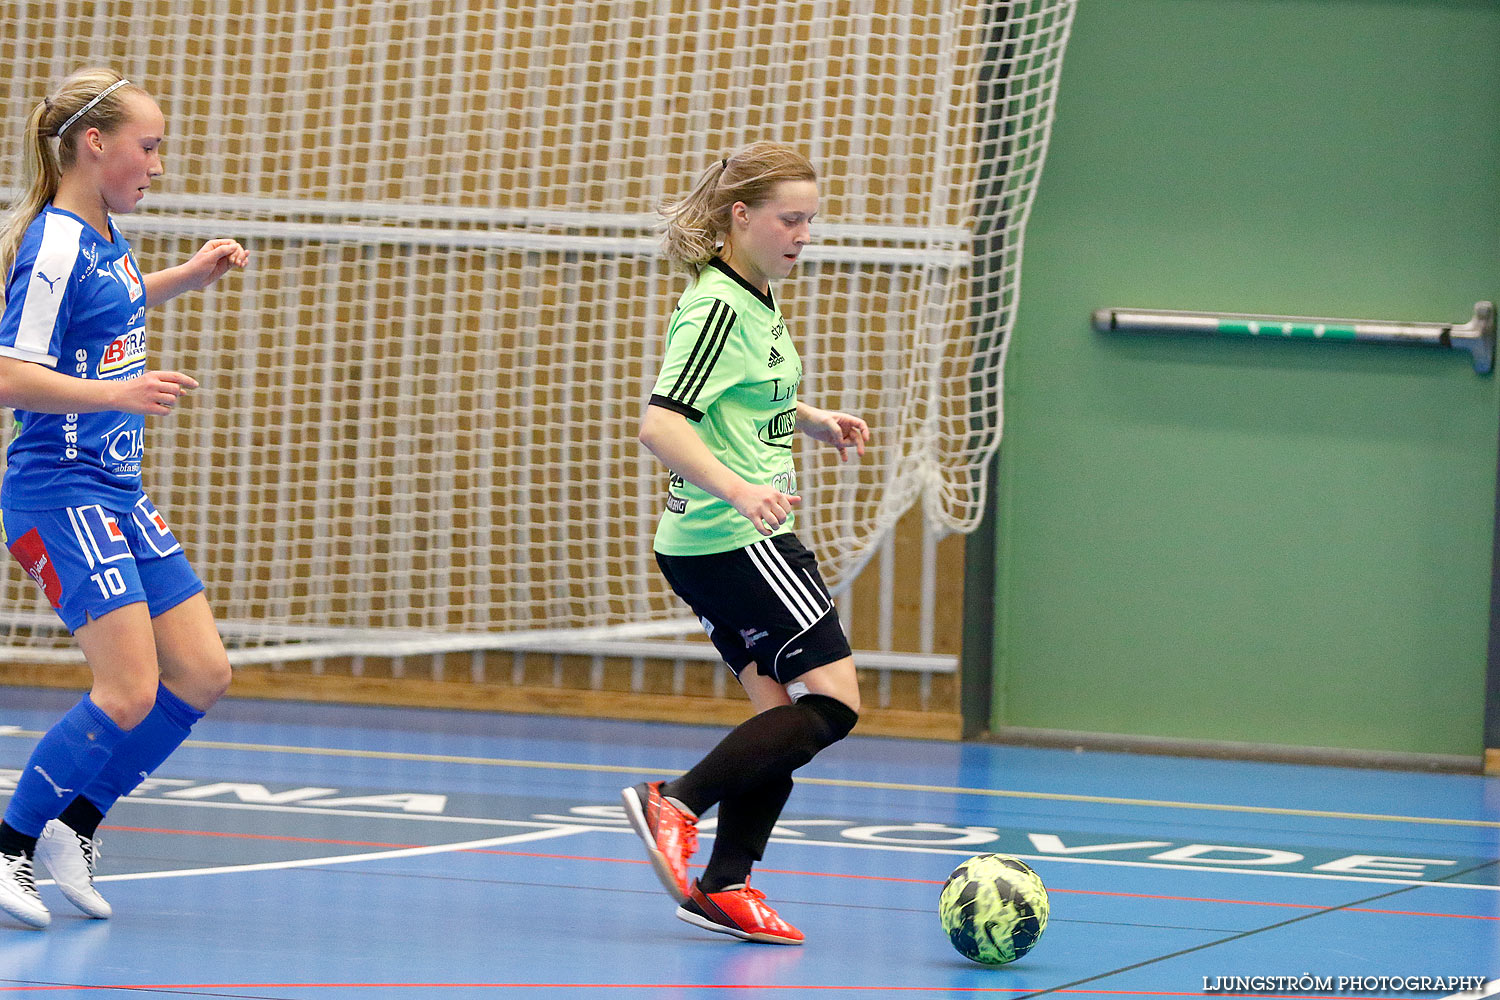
(1477, 336)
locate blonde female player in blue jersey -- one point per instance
(73, 368)
(722, 418)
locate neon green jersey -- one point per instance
(731, 369)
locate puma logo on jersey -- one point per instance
(51, 282)
(775, 358)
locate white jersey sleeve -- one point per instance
(40, 292)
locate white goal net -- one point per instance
(419, 403)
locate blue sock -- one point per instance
(143, 749)
(66, 760)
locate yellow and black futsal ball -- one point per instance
(994, 908)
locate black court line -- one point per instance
(1250, 933)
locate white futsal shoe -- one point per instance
(18, 895)
(70, 858)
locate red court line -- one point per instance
(789, 871)
(758, 987)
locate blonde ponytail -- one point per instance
(696, 225)
(43, 163)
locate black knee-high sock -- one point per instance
(745, 824)
(763, 748)
(749, 776)
(15, 843)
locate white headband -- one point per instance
(90, 105)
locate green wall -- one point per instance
(1277, 542)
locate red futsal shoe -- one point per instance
(670, 835)
(739, 911)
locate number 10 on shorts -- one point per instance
(110, 582)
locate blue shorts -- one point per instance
(90, 560)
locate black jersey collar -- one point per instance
(766, 300)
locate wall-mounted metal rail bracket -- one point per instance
(1477, 336)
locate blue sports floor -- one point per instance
(313, 852)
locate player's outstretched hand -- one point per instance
(838, 429)
(212, 260)
(766, 507)
(153, 394)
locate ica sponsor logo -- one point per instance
(124, 444)
(124, 353)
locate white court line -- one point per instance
(969, 852)
(965, 852)
(345, 859)
(326, 811)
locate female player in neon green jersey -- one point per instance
(722, 418)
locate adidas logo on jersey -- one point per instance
(775, 358)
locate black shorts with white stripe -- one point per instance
(764, 604)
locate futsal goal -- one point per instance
(416, 428)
